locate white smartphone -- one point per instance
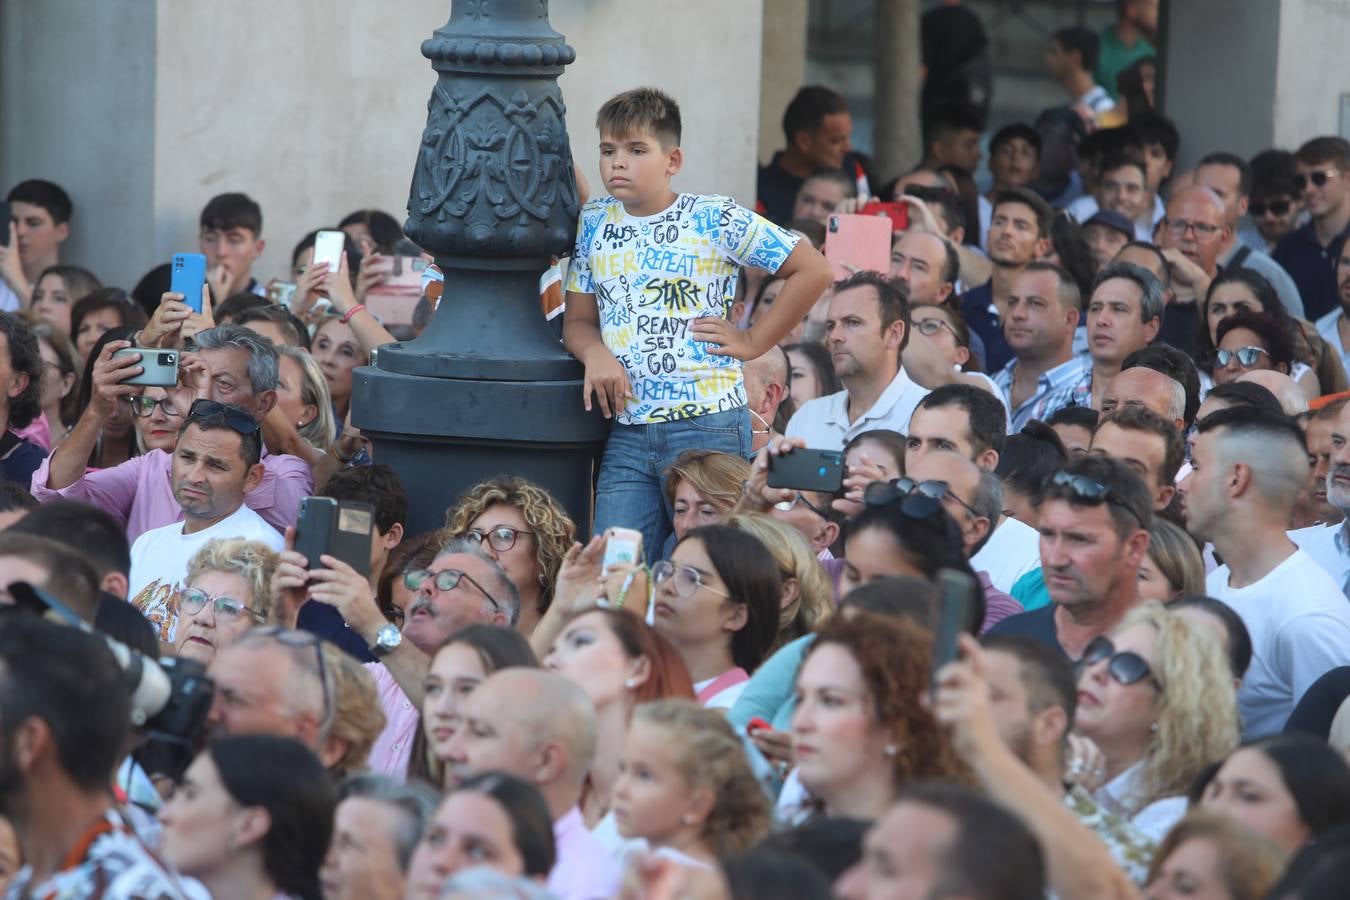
(622, 545)
(328, 246)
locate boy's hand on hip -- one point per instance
(607, 379)
(726, 338)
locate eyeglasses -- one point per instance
(1318, 178)
(235, 417)
(143, 407)
(1246, 356)
(1125, 667)
(1085, 489)
(930, 327)
(1179, 227)
(500, 537)
(444, 580)
(1274, 207)
(291, 637)
(920, 498)
(226, 609)
(687, 579)
(799, 497)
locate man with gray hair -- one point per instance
(228, 364)
(463, 586)
(378, 822)
(1249, 466)
(1330, 544)
(766, 387)
(1150, 389)
(1124, 314)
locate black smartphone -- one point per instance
(958, 596)
(808, 470)
(5, 218)
(341, 529)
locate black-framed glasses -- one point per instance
(1125, 666)
(1203, 230)
(293, 637)
(920, 498)
(687, 579)
(1090, 491)
(1318, 178)
(499, 537)
(444, 580)
(1258, 208)
(143, 407)
(1246, 356)
(226, 609)
(236, 417)
(799, 497)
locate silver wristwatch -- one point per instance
(387, 640)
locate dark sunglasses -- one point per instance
(1246, 356)
(1089, 491)
(918, 499)
(1275, 207)
(1125, 667)
(234, 416)
(1319, 178)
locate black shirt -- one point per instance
(776, 188)
(1038, 624)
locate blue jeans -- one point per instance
(631, 490)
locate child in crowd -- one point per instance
(685, 785)
(650, 285)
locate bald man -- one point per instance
(1150, 389)
(974, 500)
(766, 387)
(540, 727)
(1292, 398)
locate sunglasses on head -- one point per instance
(918, 499)
(1274, 207)
(1125, 667)
(1246, 356)
(1087, 490)
(1319, 178)
(235, 417)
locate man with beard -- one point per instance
(1248, 466)
(867, 330)
(1044, 375)
(215, 463)
(1019, 233)
(463, 586)
(1329, 544)
(64, 719)
(1095, 522)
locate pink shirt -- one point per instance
(393, 748)
(139, 492)
(585, 870)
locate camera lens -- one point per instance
(821, 471)
(166, 359)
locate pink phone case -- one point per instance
(858, 243)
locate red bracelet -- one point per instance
(347, 316)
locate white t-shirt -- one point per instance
(1013, 550)
(1299, 623)
(159, 561)
(1155, 819)
(1327, 544)
(823, 422)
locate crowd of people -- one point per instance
(1075, 622)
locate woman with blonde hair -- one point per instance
(358, 717)
(524, 529)
(1157, 697)
(1211, 855)
(304, 393)
(686, 787)
(227, 592)
(701, 487)
(808, 596)
(1173, 567)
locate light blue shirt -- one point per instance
(1055, 389)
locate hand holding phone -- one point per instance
(187, 276)
(807, 470)
(623, 546)
(958, 598)
(159, 368)
(898, 213)
(342, 529)
(328, 247)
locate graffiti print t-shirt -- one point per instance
(652, 277)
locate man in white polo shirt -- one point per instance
(867, 329)
(1248, 468)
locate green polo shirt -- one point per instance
(1114, 56)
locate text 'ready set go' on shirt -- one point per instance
(159, 563)
(652, 277)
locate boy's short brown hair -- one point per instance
(641, 110)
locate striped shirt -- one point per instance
(1055, 389)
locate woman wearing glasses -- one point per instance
(939, 351)
(525, 530)
(227, 593)
(157, 419)
(116, 442)
(717, 600)
(1251, 342)
(1157, 698)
